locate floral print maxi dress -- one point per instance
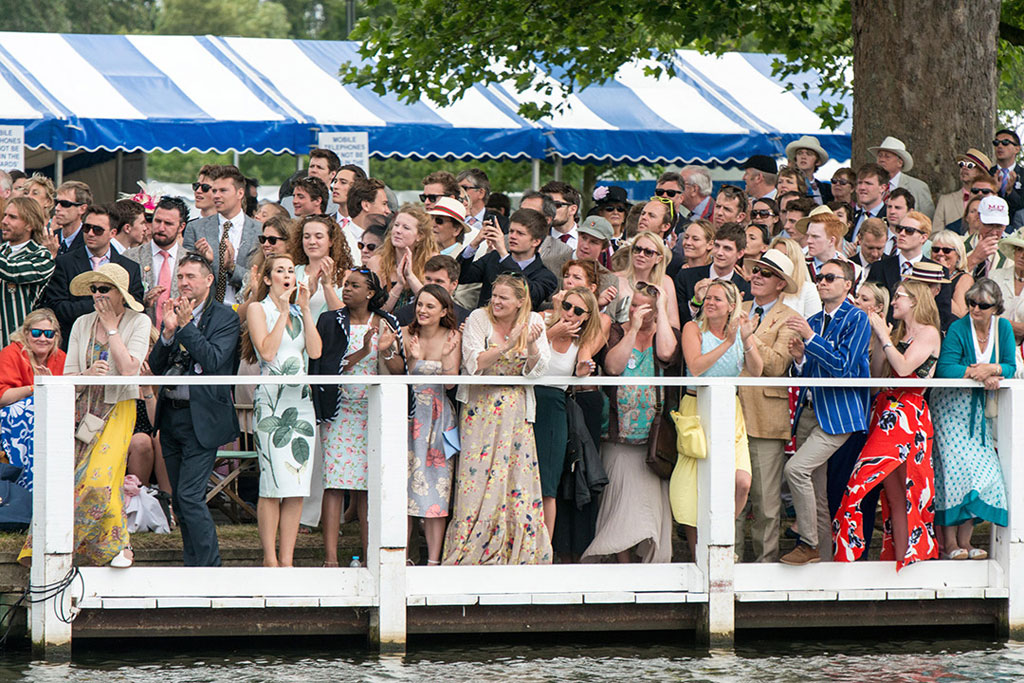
(498, 516)
(344, 437)
(430, 472)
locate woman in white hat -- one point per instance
(112, 340)
(1011, 281)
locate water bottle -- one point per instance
(355, 562)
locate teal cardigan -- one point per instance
(958, 353)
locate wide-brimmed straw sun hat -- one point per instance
(781, 265)
(801, 225)
(1007, 244)
(806, 142)
(108, 273)
(896, 146)
(929, 273)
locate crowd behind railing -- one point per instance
(790, 276)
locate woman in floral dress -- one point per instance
(498, 516)
(281, 335)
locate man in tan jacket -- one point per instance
(766, 409)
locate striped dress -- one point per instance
(23, 274)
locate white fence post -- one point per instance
(1008, 543)
(716, 511)
(53, 516)
(388, 448)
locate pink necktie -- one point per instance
(163, 281)
(95, 261)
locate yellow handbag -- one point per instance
(690, 439)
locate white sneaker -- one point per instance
(123, 559)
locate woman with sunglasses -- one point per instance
(281, 336)
(612, 204)
(698, 241)
(369, 245)
(968, 478)
(898, 453)
(765, 212)
(408, 245)
(498, 515)
(34, 350)
(635, 519)
(273, 239)
(948, 250)
(357, 339)
(112, 340)
(432, 344)
(648, 259)
(972, 165)
(844, 180)
(574, 331)
(717, 344)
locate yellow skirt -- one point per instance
(100, 524)
(682, 487)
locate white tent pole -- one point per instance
(558, 167)
(298, 162)
(58, 169)
(234, 158)
(119, 172)
(535, 180)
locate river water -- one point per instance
(776, 660)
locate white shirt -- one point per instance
(15, 248)
(894, 181)
(770, 195)
(904, 259)
(158, 260)
(477, 218)
(118, 247)
(235, 237)
(353, 233)
(573, 234)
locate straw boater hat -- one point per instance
(451, 208)
(801, 225)
(896, 146)
(928, 273)
(108, 274)
(806, 142)
(976, 156)
(779, 263)
(1007, 244)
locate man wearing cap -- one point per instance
(912, 233)
(450, 229)
(993, 212)
(1007, 171)
(892, 155)
(98, 228)
(766, 409)
(595, 236)
(872, 181)
(807, 155)
(759, 175)
(949, 210)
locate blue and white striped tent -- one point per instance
(145, 93)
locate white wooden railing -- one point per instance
(387, 586)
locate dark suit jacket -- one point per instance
(856, 218)
(541, 281)
(687, 278)
(1014, 193)
(213, 345)
(79, 241)
(57, 295)
(886, 271)
(826, 191)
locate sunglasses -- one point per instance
(562, 205)
(100, 289)
(432, 198)
(566, 306)
(966, 164)
(269, 239)
(644, 251)
(368, 246)
(908, 229)
(204, 186)
(973, 303)
(1005, 143)
(982, 190)
(828, 277)
(467, 188)
(647, 288)
(944, 250)
(93, 228)
(617, 208)
(666, 193)
(67, 203)
(762, 213)
(440, 220)
(37, 333)
(192, 257)
(763, 272)
(841, 181)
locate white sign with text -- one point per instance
(12, 147)
(351, 148)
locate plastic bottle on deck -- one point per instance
(355, 562)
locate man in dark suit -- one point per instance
(911, 234)
(691, 283)
(73, 200)
(1007, 172)
(477, 186)
(227, 235)
(872, 181)
(97, 231)
(527, 229)
(199, 336)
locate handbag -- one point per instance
(662, 452)
(91, 425)
(690, 438)
(991, 400)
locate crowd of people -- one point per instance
(790, 275)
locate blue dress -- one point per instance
(17, 425)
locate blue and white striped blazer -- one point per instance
(841, 352)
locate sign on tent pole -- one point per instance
(352, 147)
(12, 147)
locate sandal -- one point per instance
(332, 565)
(957, 554)
(977, 554)
(433, 563)
(123, 559)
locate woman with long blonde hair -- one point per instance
(648, 259)
(499, 451)
(408, 245)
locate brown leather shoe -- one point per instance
(801, 554)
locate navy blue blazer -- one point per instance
(213, 345)
(842, 352)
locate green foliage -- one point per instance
(250, 18)
(178, 167)
(79, 16)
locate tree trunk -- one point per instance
(925, 72)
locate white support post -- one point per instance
(234, 158)
(298, 162)
(1008, 543)
(558, 167)
(387, 450)
(716, 511)
(535, 175)
(118, 171)
(58, 169)
(53, 516)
